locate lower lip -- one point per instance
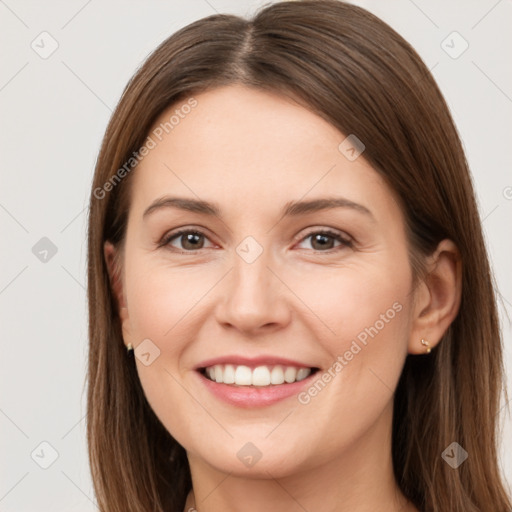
(254, 396)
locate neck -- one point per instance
(360, 479)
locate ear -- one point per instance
(112, 259)
(437, 298)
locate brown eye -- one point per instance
(323, 241)
(190, 240)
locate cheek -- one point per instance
(370, 318)
(352, 301)
(162, 300)
(365, 314)
(373, 323)
(163, 306)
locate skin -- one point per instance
(251, 152)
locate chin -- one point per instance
(260, 459)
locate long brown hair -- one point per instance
(356, 72)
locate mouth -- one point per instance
(256, 376)
(250, 382)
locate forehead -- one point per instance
(249, 148)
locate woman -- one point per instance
(291, 306)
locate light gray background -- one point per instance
(54, 112)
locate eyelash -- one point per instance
(345, 242)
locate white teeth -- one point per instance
(302, 373)
(218, 372)
(277, 375)
(229, 374)
(290, 373)
(243, 376)
(259, 376)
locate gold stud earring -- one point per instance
(425, 343)
(129, 348)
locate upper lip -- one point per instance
(252, 362)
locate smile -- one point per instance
(241, 375)
(250, 383)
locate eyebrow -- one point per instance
(291, 209)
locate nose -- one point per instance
(254, 297)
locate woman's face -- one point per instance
(264, 283)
